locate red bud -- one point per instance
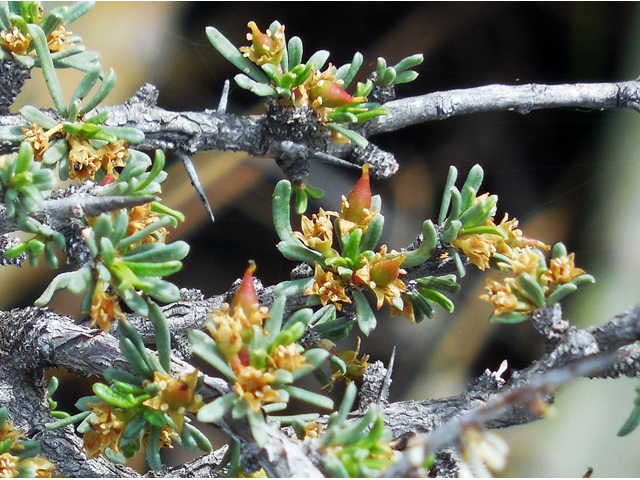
(386, 271)
(246, 297)
(359, 198)
(332, 94)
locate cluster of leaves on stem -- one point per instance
(146, 408)
(24, 27)
(346, 266)
(259, 356)
(19, 457)
(272, 66)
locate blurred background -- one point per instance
(567, 175)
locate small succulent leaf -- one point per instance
(450, 231)
(39, 42)
(206, 348)
(292, 287)
(559, 250)
(425, 249)
(409, 62)
(302, 316)
(233, 55)
(531, 289)
(448, 283)
(511, 317)
(406, 77)
(421, 307)
(104, 90)
(309, 397)
(297, 251)
(356, 138)
(273, 324)
(258, 427)
(631, 423)
(474, 180)
(131, 135)
(258, 88)
(295, 52)
(158, 252)
(111, 374)
(365, 316)
(73, 12)
(560, 292)
(582, 279)
(138, 363)
(318, 59)
(438, 298)
(67, 421)
(86, 84)
(201, 439)
(153, 449)
(354, 67)
(34, 115)
(446, 197)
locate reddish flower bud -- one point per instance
(261, 41)
(386, 271)
(359, 198)
(332, 94)
(246, 297)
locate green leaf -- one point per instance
(39, 42)
(107, 395)
(214, 411)
(631, 423)
(260, 89)
(511, 317)
(292, 287)
(162, 336)
(425, 249)
(405, 77)
(67, 421)
(157, 252)
(295, 52)
(205, 348)
(421, 307)
(474, 180)
(11, 133)
(154, 269)
(233, 54)
(104, 90)
(448, 283)
(450, 231)
(438, 298)
(140, 234)
(131, 135)
(34, 115)
(318, 59)
(446, 197)
(86, 84)
(153, 449)
(295, 250)
(309, 397)
(356, 138)
(366, 318)
(354, 67)
(140, 364)
(531, 289)
(409, 62)
(201, 440)
(560, 292)
(281, 210)
(75, 11)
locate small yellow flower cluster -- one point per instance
(141, 217)
(57, 38)
(232, 328)
(482, 451)
(105, 308)
(176, 397)
(355, 367)
(480, 247)
(266, 47)
(107, 425)
(15, 41)
(11, 465)
(86, 160)
(510, 297)
(39, 140)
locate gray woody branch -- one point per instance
(43, 339)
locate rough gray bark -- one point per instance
(42, 339)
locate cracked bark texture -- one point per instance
(42, 339)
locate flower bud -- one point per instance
(386, 271)
(245, 298)
(332, 94)
(359, 198)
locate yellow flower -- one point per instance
(176, 396)
(107, 425)
(266, 47)
(8, 431)
(41, 465)
(288, 358)
(355, 367)
(380, 274)
(141, 217)
(86, 161)
(8, 465)
(57, 38)
(312, 430)
(407, 309)
(38, 139)
(522, 260)
(515, 238)
(166, 436)
(14, 41)
(328, 288)
(104, 308)
(317, 232)
(478, 247)
(503, 298)
(562, 270)
(226, 331)
(255, 386)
